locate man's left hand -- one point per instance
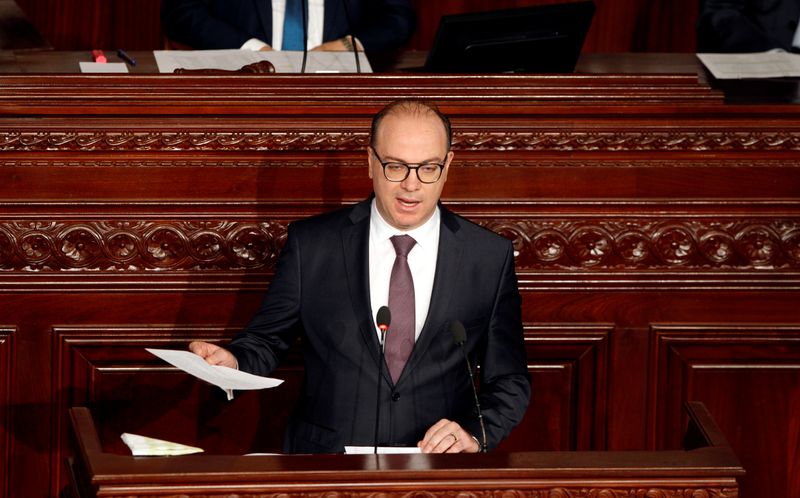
(342, 44)
(446, 436)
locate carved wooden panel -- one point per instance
(749, 378)
(568, 365)
(6, 361)
(615, 243)
(107, 368)
(651, 138)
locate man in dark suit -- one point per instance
(377, 25)
(337, 269)
(747, 25)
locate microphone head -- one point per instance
(459, 332)
(383, 318)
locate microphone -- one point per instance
(382, 319)
(459, 339)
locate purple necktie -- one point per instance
(400, 339)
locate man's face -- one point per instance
(411, 139)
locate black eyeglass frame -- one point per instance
(408, 167)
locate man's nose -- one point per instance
(412, 181)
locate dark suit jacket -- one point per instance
(746, 25)
(380, 25)
(321, 291)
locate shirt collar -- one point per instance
(424, 234)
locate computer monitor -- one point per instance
(539, 39)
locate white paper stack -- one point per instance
(147, 446)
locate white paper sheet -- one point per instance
(284, 61)
(103, 67)
(384, 450)
(225, 378)
(148, 446)
(772, 64)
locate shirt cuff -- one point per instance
(253, 44)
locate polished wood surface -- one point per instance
(708, 468)
(657, 231)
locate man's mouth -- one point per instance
(409, 203)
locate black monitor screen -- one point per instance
(541, 39)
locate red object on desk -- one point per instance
(99, 56)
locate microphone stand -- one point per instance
(380, 381)
(482, 444)
(305, 36)
(460, 338)
(352, 38)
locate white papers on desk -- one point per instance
(148, 446)
(284, 61)
(384, 450)
(225, 378)
(103, 67)
(772, 64)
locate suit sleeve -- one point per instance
(504, 380)
(385, 25)
(261, 345)
(724, 26)
(194, 23)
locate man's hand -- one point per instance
(265, 48)
(213, 354)
(342, 44)
(446, 436)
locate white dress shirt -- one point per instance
(421, 261)
(316, 22)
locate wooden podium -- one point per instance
(706, 468)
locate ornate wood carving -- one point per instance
(541, 244)
(675, 140)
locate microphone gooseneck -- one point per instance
(382, 319)
(459, 339)
(305, 35)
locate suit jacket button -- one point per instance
(395, 396)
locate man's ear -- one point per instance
(447, 160)
(369, 161)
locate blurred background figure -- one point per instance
(748, 25)
(378, 25)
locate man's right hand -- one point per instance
(213, 354)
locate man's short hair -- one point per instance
(409, 107)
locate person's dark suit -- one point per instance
(746, 25)
(321, 291)
(380, 25)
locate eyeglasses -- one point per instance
(397, 172)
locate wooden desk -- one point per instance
(657, 231)
(709, 469)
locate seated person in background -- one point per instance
(748, 25)
(377, 25)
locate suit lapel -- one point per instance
(355, 244)
(447, 265)
(264, 10)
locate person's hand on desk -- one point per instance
(446, 436)
(213, 354)
(340, 45)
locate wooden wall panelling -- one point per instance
(7, 334)
(568, 365)
(129, 390)
(748, 375)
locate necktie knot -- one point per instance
(403, 244)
